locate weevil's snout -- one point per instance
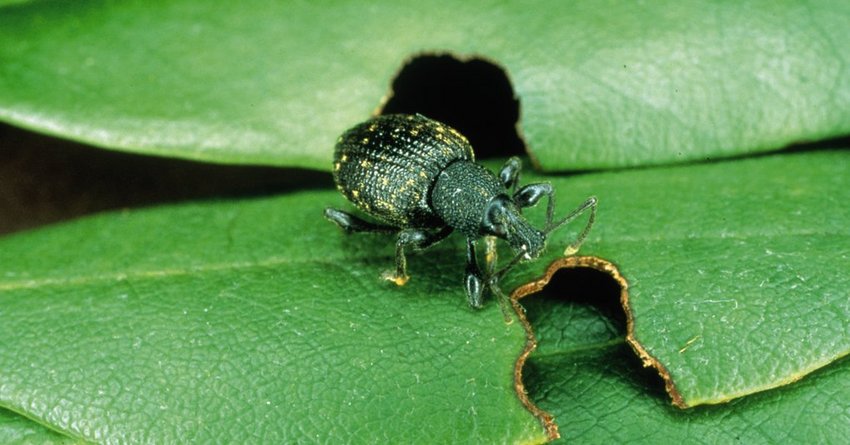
(503, 219)
(525, 238)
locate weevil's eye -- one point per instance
(499, 230)
(494, 222)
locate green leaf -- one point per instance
(599, 396)
(216, 321)
(601, 84)
(592, 382)
(736, 271)
(15, 429)
(212, 322)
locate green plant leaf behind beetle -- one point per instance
(601, 84)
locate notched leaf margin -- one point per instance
(532, 287)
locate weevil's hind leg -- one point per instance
(354, 224)
(575, 245)
(509, 174)
(414, 239)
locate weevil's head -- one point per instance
(503, 219)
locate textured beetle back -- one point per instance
(387, 165)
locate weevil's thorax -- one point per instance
(461, 194)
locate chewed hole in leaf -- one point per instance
(576, 313)
(472, 95)
(579, 307)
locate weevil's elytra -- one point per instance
(419, 178)
(388, 165)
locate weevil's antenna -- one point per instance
(493, 284)
(496, 276)
(503, 302)
(574, 246)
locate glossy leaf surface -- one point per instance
(211, 322)
(216, 315)
(601, 84)
(735, 270)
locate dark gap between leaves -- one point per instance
(45, 180)
(474, 96)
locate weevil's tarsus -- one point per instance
(415, 240)
(398, 280)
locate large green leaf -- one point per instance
(255, 319)
(213, 322)
(735, 270)
(591, 381)
(600, 398)
(601, 83)
(15, 429)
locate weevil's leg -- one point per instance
(509, 174)
(504, 302)
(414, 239)
(492, 282)
(473, 281)
(574, 246)
(493, 279)
(529, 195)
(491, 255)
(352, 224)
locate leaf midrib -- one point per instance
(275, 261)
(163, 273)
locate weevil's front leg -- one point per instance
(491, 255)
(492, 281)
(473, 281)
(509, 174)
(529, 195)
(414, 239)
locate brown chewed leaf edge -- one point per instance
(546, 419)
(535, 286)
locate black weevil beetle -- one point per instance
(419, 177)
